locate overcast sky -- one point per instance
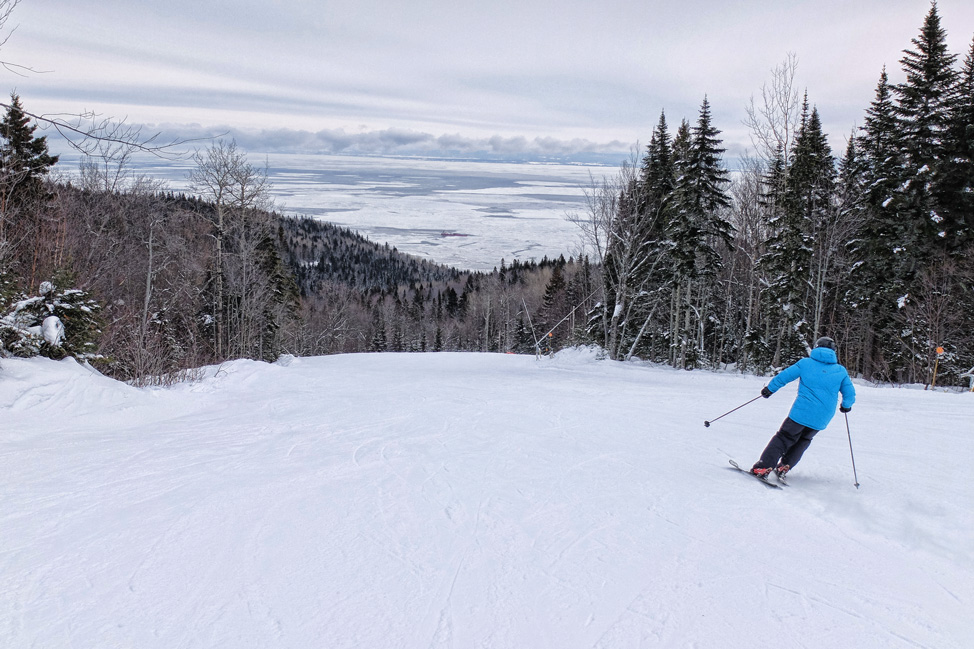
(533, 75)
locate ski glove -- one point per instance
(844, 409)
(765, 392)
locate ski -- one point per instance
(763, 481)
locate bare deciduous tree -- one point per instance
(774, 119)
(616, 226)
(240, 196)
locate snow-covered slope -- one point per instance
(472, 500)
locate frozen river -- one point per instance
(461, 213)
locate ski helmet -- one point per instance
(825, 341)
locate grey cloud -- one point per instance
(515, 145)
(395, 141)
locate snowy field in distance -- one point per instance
(472, 500)
(489, 210)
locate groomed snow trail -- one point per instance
(472, 500)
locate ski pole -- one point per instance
(707, 423)
(853, 455)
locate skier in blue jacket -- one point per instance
(821, 379)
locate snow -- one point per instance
(52, 329)
(472, 500)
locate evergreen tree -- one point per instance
(906, 226)
(657, 183)
(788, 250)
(24, 158)
(681, 230)
(956, 189)
(657, 174)
(923, 111)
(802, 242)
(880, 265)
(24, 162)
(379, 341)
(812, 188)
(710, 177)
(76, 312)
(700, 191)
(884, 234)
(763, 340)
(554, 305)
(850, 209)
(698, 228)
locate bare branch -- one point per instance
(6, 8)
(89, 131)
(20, 70)
(774, 122)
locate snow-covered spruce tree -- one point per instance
(939, 311)
(812, 192)
(922, 231)
(958, 188)
(955, 191)
(24, 163)
(923, 111)
(678, 231)
(881, 259)
(647, 333)
(55, 323)
(801, 247)
(657, 172)
(24, 158)
(699, 227)
(842, 322)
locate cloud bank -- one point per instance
(399, 141)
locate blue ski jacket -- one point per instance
(821, 379)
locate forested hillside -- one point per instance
(691, 264)
(112, 270)
(361, 296)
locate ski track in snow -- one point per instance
(472, 500)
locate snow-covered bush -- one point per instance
(56, 323)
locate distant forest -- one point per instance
(688, 264)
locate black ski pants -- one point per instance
(787, 445)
